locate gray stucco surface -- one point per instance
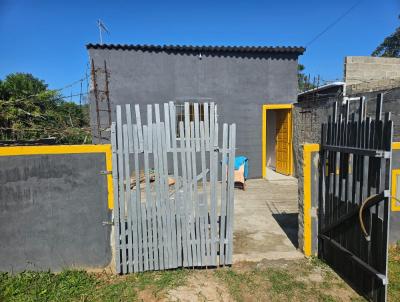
(240, 83)
(51, 212)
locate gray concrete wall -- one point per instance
(240, 83)
(51, 212)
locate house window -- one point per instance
(180, 114)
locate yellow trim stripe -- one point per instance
(67, 149)
(264, 135)
(395, 204)
(307, 150)
(264, 141)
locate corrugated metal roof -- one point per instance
(319, 88)
(246, 49)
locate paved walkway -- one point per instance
(265, 225)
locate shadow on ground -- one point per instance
(289, 224)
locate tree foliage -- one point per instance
(304, 81)
(29, 110)
(390, 47)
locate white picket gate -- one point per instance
(173, 188)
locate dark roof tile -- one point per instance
(246, 49)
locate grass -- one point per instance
(299, 281)
(83, 286)
(305, 280)
(394, 273)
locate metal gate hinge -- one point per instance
(103, 172)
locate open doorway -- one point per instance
(277, 140)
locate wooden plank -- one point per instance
(128, 196)
(167, 127)
(149, 210)
(177, 182)
(116, 208)
(157, 113)
(187, 253)
(145, 242)
(129, 125)
(203, 148)
(136, 148)
(196, 134)
(196, 215)
(121, 187)
(189, 201)
(224, 171)
(166, 199)
(150, 126)
(231, 182)
(157, 206)
(206, 126)
(179, 232)
(203, 215)
(154, 220)
(213, 180)
(139, 127)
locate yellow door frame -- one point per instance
(264, 134)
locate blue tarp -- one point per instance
(240, 160)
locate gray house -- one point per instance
(247, 83)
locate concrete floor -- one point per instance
(265, 225)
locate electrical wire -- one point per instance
(58, 89)
(334, 23)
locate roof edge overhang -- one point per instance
(299, 50)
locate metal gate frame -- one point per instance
(180, 218)
(354, 201)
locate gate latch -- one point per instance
(104, 172)
(104, 223)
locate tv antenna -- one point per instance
(102, 27)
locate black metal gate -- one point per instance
(354, 211)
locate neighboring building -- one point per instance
(324, 92)
(243, 81)
(367, 74)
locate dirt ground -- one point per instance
(268, 280)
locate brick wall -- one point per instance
(363, 74)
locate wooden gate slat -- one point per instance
(224, 171)
(117, 233)
(121, 188)
(128, 196)
(188, 260)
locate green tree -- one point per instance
(29, 110)
(304, 81)
(390, 47)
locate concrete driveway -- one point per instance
(265, 223)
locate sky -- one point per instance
(48, 38)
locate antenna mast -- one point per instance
(102, 27)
